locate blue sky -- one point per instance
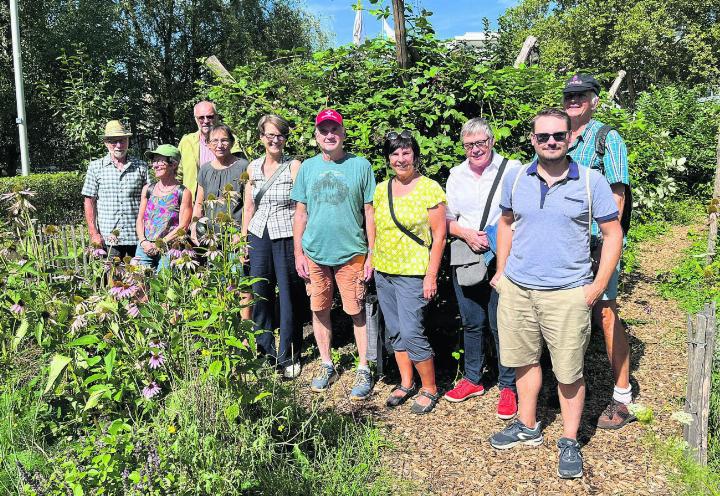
(450, 17)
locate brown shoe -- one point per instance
(615, 416)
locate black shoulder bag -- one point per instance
(470, 267)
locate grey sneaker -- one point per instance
(326, 376)
(570, 465)
(516, 433)
(363, 385)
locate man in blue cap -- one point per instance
(600, 147)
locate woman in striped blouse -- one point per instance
(267, 223)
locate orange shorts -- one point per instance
(350, 279)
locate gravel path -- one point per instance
(447, 451)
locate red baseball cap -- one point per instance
(328, 115)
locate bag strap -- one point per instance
(402, 228)
(589, 195)
(493, 189)
(266, 185)
(600, 139)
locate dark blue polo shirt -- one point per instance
(551, 241)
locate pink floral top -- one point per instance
(162, 213)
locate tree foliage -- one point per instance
(144, 56)
(655, 41)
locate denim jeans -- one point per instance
(478, 311)
(274, 262)
(157, 262)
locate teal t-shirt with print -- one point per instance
(335, 194)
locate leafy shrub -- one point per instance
(58, 199)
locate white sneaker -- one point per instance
(292, 371)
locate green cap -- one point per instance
(168, 151)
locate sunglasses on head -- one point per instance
(393, 135)
(545, 137)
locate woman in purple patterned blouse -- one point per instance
(165, 207)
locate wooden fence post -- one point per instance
(616, 85)
(218, 69)
(522, 57)
(714, 207)
(701, 347)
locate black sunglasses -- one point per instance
(545, 137)
(392, 135)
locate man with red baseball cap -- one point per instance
(334, 194)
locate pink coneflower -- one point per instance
(18, 308)
(156, 359)
(230, 288)
(185, 262)
(96, 251)
(189, 252)
(122, 290)
(78, 323)
(156, 343)
(175, 253)
(150, 390)
(132, 310)
(213, 252)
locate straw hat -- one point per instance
(115, 129)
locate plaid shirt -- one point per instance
(615, 160)
(276, 209)
(118, 195)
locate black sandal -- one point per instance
(394, 401)
(419, 409)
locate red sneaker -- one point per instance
(507, 405)
(464, 390)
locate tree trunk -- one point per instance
(400, 38)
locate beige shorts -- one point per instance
(350, 279)
(526, 317)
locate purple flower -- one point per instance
(150, 390)
(189, 252)
(17, 308)
(185, 262)
(175, 253)
(122, 290)
(79, 323)
(156, 343)
(132, 310)
(156, 359)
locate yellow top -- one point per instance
(395, 252)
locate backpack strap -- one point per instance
(600, 139)
(589, 195)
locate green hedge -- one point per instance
(57, 196)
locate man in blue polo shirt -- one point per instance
(580, 99)
(545, 279)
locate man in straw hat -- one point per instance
(112, 194)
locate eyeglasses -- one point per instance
(331, 130)
(545, 137)
(404, 134)
(273, 137)
(479, 143)
(115, 141)
(578, 96)
(216, 142)
(159, 162)
(210, 117)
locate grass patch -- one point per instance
(689, 478)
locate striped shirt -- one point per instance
(117, 194)
(614, 164)
(276, 210)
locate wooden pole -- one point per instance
(400, 38)
(522, 57)
(701, 345)
(218, 69)
(616, 85)
(714, 207)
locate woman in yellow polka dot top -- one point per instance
(409, 241)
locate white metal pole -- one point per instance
(19, 88)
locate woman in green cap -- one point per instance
(165, 208)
